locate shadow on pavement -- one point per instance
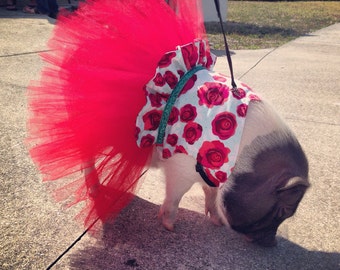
(137, 240)
(250, 29)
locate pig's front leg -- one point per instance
(210, 204)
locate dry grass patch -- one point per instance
(258, 25)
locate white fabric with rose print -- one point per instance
(207, 119)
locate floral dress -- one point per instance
(206, 117)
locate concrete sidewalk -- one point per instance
(301, 79)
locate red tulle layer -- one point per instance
(83, 110)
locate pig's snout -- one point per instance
(268, 240)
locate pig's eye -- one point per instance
(280, 213)
(257, 225)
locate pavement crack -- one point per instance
(259, 61)
(24, 53)
(311, 121)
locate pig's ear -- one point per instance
(290, 196)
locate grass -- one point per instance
(259, 25)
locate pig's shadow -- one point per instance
(138, 241)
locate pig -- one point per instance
(95, 98)
(268, 181)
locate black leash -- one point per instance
(82, 235)
(218, 9)
(71, 246)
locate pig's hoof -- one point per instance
(167, 220)
(168, 225)
(215, 219)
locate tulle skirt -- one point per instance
(82, 112)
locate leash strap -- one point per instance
(171, 101)
(218, 9)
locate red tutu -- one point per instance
(84, 108)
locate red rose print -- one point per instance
(156, 100)
(166, 59)
(192, 132)
(221, 176)
(188, 113)
(173, 117)
(219, 78)
(147, 141)
(190, 83)
(242, 110)
(180, 149)
(170, 79)
(246, 86)
(254, 97)
(212, 178)
(213, 154)
(239, 93)
(180, 73)
(166, 153)
(224, 125)
(159, 80)
(190, 55)
(172, 139)
(152, 119)
(212, 94)
(201, 53)
(218, 178)
(137, 131)
(209, 60)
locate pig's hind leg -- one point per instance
(180, 176)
